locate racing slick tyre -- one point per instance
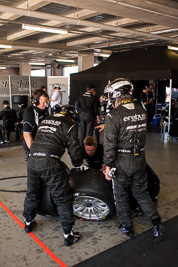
(93, 197)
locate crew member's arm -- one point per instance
(28, 139)
(110, 145)
(28, 126)
(73, 146)
(148, 102)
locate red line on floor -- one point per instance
(35, 238)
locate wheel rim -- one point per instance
(90, 208)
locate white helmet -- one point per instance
(118, 88)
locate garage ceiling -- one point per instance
(98, 27)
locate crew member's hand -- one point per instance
(82, 168)
(105, 172)
(100, 127)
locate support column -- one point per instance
(85, 61)
(25, 69)
(57, 69)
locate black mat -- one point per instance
(140, 251)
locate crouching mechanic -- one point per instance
(55, 133)
(124, 141)
(93, 153)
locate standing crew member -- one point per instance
(9, 117)
(124, 141)
(56, 98)
(55, 134)
(33, 115)
(89, 111)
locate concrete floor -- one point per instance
(18, 249)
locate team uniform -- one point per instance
(55, 133)
(125, 126)
(124, 154)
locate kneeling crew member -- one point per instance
(93, 153)
(55, 133)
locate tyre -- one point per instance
(46, 205)
(19, 99)
(93, 197)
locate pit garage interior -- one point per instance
(94, 27)
(45, 246)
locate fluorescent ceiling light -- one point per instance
(104, 55)
(172, 47)
(65, 60)
(43, 29)
(5, 46)
(2, 68)
(165, 31)
(37, 63)
(101, 55)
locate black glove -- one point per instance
(82, 168)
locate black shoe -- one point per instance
(29, 226)
(2, 142)
(72, 238)
(158, 232)
(126, 230)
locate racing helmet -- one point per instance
(118, 88)
(70, 111)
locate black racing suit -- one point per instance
(125, 128)
(54, 134)
(89, 110)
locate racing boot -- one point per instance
(158, 232)
(29, 226)
(71, 238)
(126, 230)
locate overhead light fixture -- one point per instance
(66, 60)
(172, 47)
(2, 68)
(37, 63)
(101, 55)
(5, 46)
(165, 31)
(104, 55)
(43, 29)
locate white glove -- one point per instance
(82, 168)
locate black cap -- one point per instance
(5, 102)
(89, 86)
